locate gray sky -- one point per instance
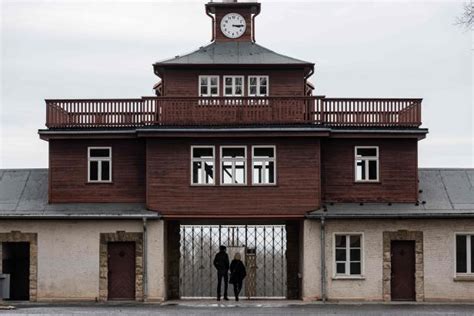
(104, 49)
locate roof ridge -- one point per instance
(23, 190)
(446, 190)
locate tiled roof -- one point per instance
(24, 193)
(245, 53)
(443, 193)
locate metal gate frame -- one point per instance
(200, 243)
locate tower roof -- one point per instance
(233, 53)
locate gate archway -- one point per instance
(263, 250)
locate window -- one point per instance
(464, 254)
(263, 165)
(99, 161)
(233, 86)
(367, 164)
(202, 165)
(258, 86)
(348, 254)
(209, 86)
(233, 159)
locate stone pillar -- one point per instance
(173, 254)
(311, 265)
(292, 260)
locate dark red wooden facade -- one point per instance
(314, 168)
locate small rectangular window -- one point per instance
(233, 165)
(464, 254)
(263, 165)
(367, 164)
(99, 160)
(209, 86)
(233, 86)
(258, 86)
(202, 165)
(348, 254)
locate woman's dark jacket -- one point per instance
(237, 271)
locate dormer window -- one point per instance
(233, 86)
(99, 164)
(209, 86)
(366, 164)
(258, 86)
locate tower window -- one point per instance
(233, 86)
(209, 86)
(99, 161)
(366, 164)
(258, 86)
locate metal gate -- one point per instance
(263, 251)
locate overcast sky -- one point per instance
(105, 49)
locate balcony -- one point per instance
(233, 111)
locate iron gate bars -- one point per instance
(266, 243)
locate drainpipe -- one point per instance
(323, 260)
(145, 254)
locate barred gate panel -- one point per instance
(265, 245)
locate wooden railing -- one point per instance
(193, 111)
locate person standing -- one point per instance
(237, 274)
(221, 263)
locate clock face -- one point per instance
(233, 25)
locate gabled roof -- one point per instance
(24, 194)
(444, 193)
(233, 53)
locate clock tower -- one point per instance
(233, 21)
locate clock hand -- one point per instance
(238, 25)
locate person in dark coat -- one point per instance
(237, 274)
(221, 262)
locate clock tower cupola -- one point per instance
(233, 21)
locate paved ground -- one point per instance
(243, 308)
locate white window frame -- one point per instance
(233, 94)
(258, 94)
(208, 94)
(274, 160)
(366, 159)
(469, 258)
(222, 159)
(347, 274)
(193, 159)
(99, 165)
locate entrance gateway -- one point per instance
(262, 249)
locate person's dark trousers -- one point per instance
(222, 275)
(237, 289)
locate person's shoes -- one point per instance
(237, 299)
(218, 298)
(226, 298)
